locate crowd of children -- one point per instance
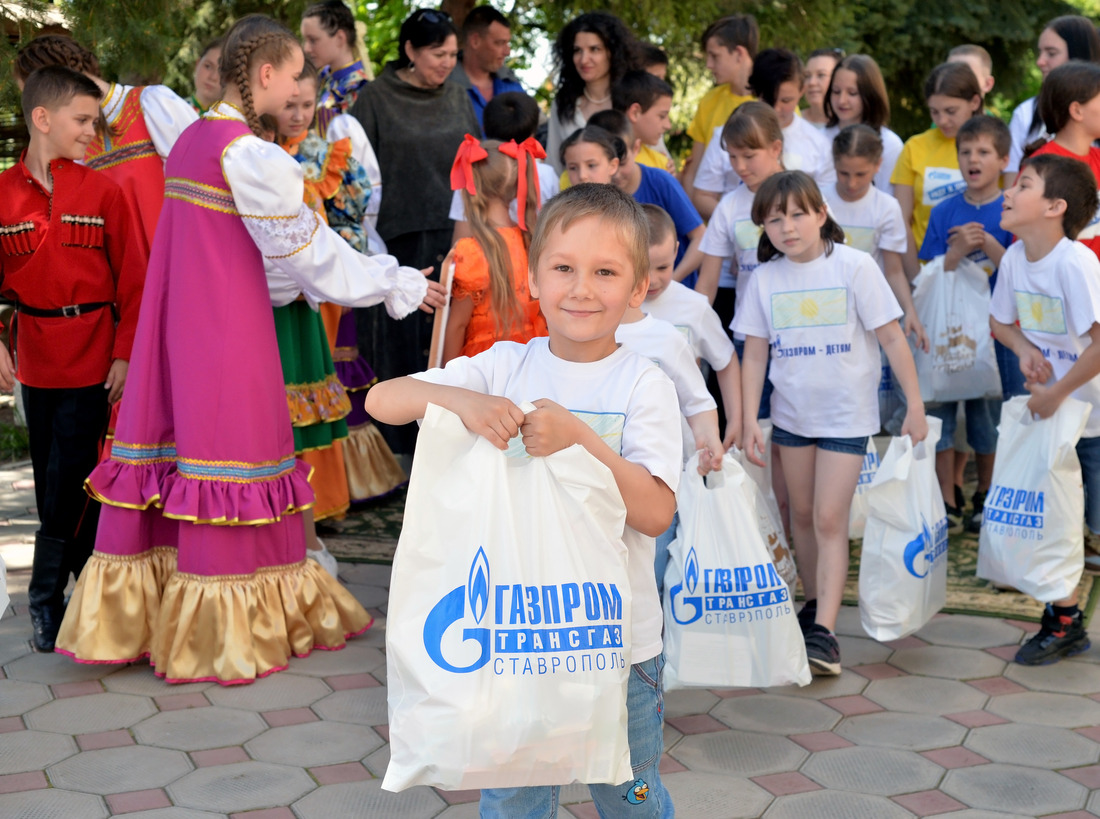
(244, 227)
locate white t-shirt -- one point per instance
(805, 148)
(1056, 300)
(891, 150)
(732, 235)
(627, 400)
(872, 224)
(549, 184)
(1020, 128)
(819, 318)
(691, 314)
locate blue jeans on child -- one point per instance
(1088, 453)
(982, 417)
(644, 796)
(660, 555)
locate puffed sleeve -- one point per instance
(166, 116)
(301, 251)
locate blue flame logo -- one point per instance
(478, 585)
(691, 571)
(919, 552)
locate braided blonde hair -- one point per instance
(254, 40)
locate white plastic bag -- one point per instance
(954, 308)
(769, 521)
(903, 564)
(857, 517)
(1031, 535)
(729, 618)
(508, 630)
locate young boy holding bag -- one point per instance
(589, 261)
(1050, 284)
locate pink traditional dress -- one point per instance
(200, 553)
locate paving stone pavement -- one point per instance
(941, 724)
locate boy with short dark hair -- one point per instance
(72, 260)
(730, 44)
(646, 100)
(968, 225)
(589, 262)
(1050, 284)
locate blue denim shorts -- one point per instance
(982, 417)
(849, 446)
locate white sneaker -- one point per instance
(324, 558)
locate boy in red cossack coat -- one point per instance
(71, 261)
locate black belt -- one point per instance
(68, 311)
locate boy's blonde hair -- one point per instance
(616, 209)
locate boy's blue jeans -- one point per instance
(1088, 453)
(644, 797)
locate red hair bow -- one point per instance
(469, 152)
(528, 148)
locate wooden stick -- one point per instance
(439, 324)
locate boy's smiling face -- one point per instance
(1025, 202)
(584, 281)
(68, 128)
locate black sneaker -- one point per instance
(974, 522)
(822, 651)
(806, 615)
(954, 518)
(960, 499)
(1058, 637)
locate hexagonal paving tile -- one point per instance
(355, 658)
(833, 804)
(241, 786)
(20, 697)
(52, 803)
(1007, 787)
(925, 695)
(93, 713)
(872, 770)
(314, 743)
(905, 732)
(1058, 710)
(12, 647)
(1037, 746)
(711, 796)
(364, 706)
(368, 574)
(1064, 678)
(118, 770)
(774, 714)
(176, 813)
(739, 753)
(1094, 803)
(848, 622)
(368, 799)
(369, 597)
(862, 650)
(195, 729)
(846, 684)
(977, 814)
(686, 701)
(55, 668)
(32, 751)
(140, 679)
(952, 663)
(965, 631)
(470, 810)
(277, 691)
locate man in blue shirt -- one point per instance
(486, 38)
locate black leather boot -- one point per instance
(46, 591)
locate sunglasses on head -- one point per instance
(433, 16)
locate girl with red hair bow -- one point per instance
(490, 300)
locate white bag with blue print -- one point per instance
(903, 565)
(729, 618)
(508, 629)
(857, 516)
(954, 308)
(1031, 525)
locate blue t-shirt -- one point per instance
(957, 211)
(661, 188)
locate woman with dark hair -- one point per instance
(591, 54)
(415, 120)
(1070, 37)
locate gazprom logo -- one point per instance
(726, 595)
(579, 625)
(922, 552)
(691, 571)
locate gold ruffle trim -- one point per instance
(371, 466)
(319, 402)
(228, 629)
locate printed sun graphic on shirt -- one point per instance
(1041, 314)
(810, 308)
(608, 425)
(860, 238)
(747, 234)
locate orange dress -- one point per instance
(471, 280)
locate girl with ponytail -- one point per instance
(199, 562)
